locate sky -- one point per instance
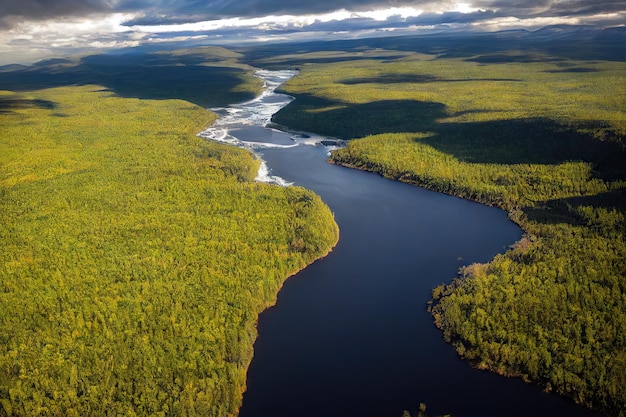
(32, 30)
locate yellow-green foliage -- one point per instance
(405, 157)
(207, 76)
(135, 257)
(542, 140)
(474, 92)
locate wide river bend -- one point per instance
(350, 334)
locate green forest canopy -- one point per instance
(135, 257)
(542, 138)
(145, 253)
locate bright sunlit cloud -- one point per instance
(113, 23)
(278, 21)
(464, 8)
(30, 41)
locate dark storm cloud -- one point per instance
(575, 8)
(13, 11)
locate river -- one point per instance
(350, 334)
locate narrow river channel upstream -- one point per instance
(350, 334)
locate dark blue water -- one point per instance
(350, 334)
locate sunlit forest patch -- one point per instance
(135, 257)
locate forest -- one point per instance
(135, 256)
(538, 134)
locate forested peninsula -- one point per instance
(135, 257)
(530, 131)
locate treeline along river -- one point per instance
(350, 334)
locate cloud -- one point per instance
(29, 41)
(581, 8)
(362, 22)
(195, 10)
(173, 12)
(184, 11)
(170, 12)
(551, 8)
(453, 18)
(13, 12)
(31, 29)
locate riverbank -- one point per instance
(563, 237)
(349, 323)
(135, 256)
(551, 310)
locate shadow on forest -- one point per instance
(507, 58)
(148, 76)
(9, 104)
(526, 141)
(417, 79)
(392, 79)
(566, 210)
(348, 121)
(299, 61)
(573, 70)
(518, 141)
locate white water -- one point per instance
(264, 176)
(245, 124)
